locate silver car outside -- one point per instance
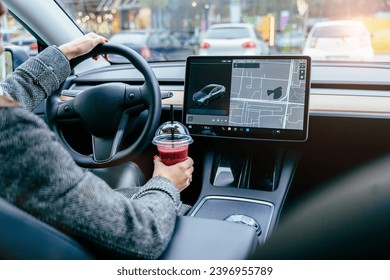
(233, 39)
(340, 40)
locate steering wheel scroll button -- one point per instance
(66, 110)
(134, 96)
(131, 95)
(245, 220)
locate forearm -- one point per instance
(37, 78)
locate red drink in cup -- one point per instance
(171, 155)
(172, 140)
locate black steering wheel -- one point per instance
(105, 110)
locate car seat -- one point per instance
(24, 237)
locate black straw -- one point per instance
(172, 129)
(172, 114)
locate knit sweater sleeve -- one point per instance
(39, 176)
(37, 78)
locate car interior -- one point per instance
(291, 161)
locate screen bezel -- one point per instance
(264, 133)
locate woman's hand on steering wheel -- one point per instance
(82, 45)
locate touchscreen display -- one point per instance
(263, 97)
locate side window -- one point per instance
(17, 38)
(14, 34)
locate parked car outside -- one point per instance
(339, 40)
(152, 45)
(233, 39)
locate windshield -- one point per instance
(279, 26)
(339, 32)
(223, 33)
(122, 38)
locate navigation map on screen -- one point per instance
(267, 94)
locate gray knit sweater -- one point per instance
(39, 176)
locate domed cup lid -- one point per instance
(172, 133)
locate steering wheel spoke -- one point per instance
(106, 147)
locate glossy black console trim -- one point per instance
(239, 199)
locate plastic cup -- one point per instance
(172, 150)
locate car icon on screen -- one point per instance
(208, 93)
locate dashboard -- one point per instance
(337, 90)
(349, 121)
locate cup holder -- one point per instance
(245, 220)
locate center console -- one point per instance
(246, 190)
(241, 198)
